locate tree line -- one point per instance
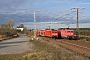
(7, 29)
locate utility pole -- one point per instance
(35, 24)
(77, 21)
(34, 38)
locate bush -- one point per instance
(87, 39)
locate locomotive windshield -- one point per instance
(70, 30)
(53, 30)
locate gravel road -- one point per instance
(16, 45)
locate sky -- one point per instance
(54, 13)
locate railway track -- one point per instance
(80, 47)
(76, 45)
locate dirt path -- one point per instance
(16, 45)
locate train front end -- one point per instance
(70, 34)
(54, 33)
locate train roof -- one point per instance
(65, 29)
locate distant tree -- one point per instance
(2, 26)
(9, 24)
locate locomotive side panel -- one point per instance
(48, 33)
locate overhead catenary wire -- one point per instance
(77, 20)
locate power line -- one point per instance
(77, 20)
(76, 2)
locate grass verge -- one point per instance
(44, 51)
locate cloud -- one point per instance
(85, 3)
(50, 10)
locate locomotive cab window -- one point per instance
(54, 30)
(70, 30)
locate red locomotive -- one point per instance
(66, 33)
(48, 32)
(57, 33)
(51, 33)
